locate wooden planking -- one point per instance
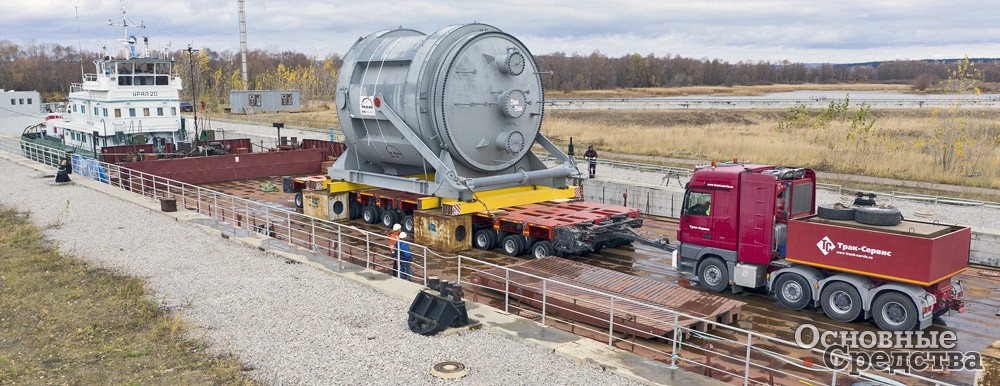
(594, 309)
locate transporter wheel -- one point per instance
(878, 215)
(370, 214)
(713, 275)
(841, 302)
(485, 239)
(542, 249)
(389, 218)
(894, 311)
(354, 210)
(408, 223)
(835, 212)
(298, 199)
(793, 291)
(512, 245)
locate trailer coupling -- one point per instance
(626, 232)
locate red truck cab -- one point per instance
(755, 226)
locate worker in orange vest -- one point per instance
(393, 236)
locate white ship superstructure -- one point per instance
(131, 99)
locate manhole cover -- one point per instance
(449, 370)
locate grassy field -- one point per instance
(65, 322)
(722, 90)
(899, 144)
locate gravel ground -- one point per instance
(290, 323)
(978, 217)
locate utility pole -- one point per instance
(194, 92)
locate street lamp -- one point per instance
(194, 94)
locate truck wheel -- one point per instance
(841, 302)
(389, 218)
(513, 245)
(298, 200)
(485, 239)
(793, 291)
(408, 223)
(542, 249)
(894, 311)
(713, 275)
(355, 210)
(835, 212)
(881, 215)
(369, 214)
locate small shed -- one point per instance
(258, 101)
(20, 102)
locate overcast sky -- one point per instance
(802, 31)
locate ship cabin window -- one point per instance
(162, 80)
(118, 113)
(124, 80)
(145, 112)
(29, 101)
(83, 138)
(21, 100)
(173, 111)
(105, 112)
(12, 101)
(143, 81)
(124, 68)
(74, 106)
(159, 111)
(163, 68)
(131, 112)
(254, 99)
(144, 68)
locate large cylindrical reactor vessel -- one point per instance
(464, 104)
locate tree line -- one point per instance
(51, 68)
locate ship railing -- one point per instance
(706, 346)
(89, 77)
(716, 349)
(75, 87)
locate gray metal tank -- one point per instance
(464, 103)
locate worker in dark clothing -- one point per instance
(404, 257)
(591, 156)
(702, 209)
(63, 174)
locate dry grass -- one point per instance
(898, 148)
(721, 90)
(65, 322)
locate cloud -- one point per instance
(732, 30)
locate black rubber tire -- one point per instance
(370, 214)
(793, 291)
(408, 224)
(299, 200)
(834, 213)
(880, 215)
(512, 245)
(864, 201)
(355, 210)
(894, 311)
(485, 239)
(542, 249)
(389, 218)
(841, 302)
(713, 275)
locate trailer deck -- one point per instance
(587, 307)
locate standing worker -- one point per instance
(591, 156)
(393, 238)
(404, 257)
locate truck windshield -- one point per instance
(699, 204)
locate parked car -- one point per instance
(187, 107)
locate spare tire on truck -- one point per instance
(878, 215)
(836, 211)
